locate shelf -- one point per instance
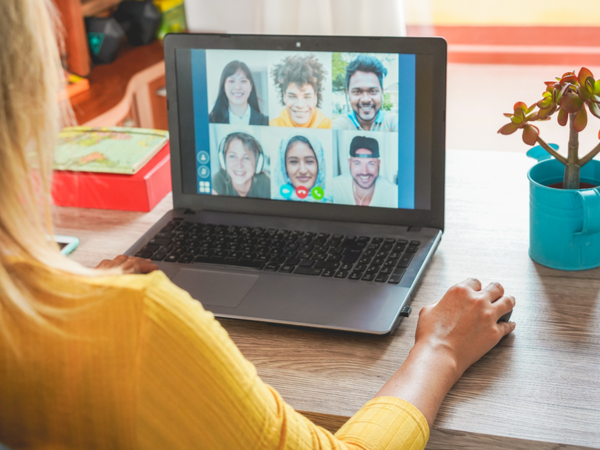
(92, 7)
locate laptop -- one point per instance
(308, 176)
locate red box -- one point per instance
(138, 192)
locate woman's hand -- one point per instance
(464, 323)
(451, 335)
(129, 264)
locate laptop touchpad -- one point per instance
(215, 288)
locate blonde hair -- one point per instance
(32, 111)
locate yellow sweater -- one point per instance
(144, 366)
(318, 120)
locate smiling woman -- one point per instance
(242, 162)
(237, 101)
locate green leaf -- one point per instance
(560, 93)
(569, 77)
(584, 73)
(530, 134)
(531, 117)
(571, 102)
(520, 114)
(563, 117)
(589, 84)
(584, 94)
(531, 108)
(594, 109)
(516, 120)
(543, 113)
(509, 128)
(520, 106)
(580, 121)
(544, 103)
(509, 115)
(597, 87)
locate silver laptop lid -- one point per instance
(336, 128)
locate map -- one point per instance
(112, 149)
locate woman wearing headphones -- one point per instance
(242, 162)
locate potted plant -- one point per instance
(564, 198)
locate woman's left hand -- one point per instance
(129, 264)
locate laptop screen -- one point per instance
(305, 126)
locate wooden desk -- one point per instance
(539, 388)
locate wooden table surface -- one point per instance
(538, 389)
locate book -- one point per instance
(139, 192)
(108, 149)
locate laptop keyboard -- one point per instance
(377, 259)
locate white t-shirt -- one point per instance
(385, 195)
(236, 120)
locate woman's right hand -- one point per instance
(464, 323)
(451, 335)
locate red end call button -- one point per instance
(301, 192)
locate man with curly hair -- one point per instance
(364, 87)
(299, 80)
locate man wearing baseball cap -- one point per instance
(363, 186)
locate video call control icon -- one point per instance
(301, 192)
(317, 192)
(203, 172)
(204, 187)
(203, 157)
(286, 191)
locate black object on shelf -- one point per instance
(104, 37)
(139, 19)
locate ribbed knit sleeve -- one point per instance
(197, 391)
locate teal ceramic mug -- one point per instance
(564, 224)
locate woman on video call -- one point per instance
(301, 163)
(118, 357)
(242, 162)
(237, 101)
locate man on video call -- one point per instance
(364, 86)
(363, 186)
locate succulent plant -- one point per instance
(571, 95)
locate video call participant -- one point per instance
(363, 186)
(364, 87)
(237, 102)
(242, 162)
(301, 165)
(299, 80)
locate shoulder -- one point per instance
(390, 121)
(220, 181)
(219, 118)
(386, 189)
(262, 178)
(261, 186)
(340, 180)
(277, 122)
(322, 121)
(343, 122)
(258, 118)
(382, 181)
